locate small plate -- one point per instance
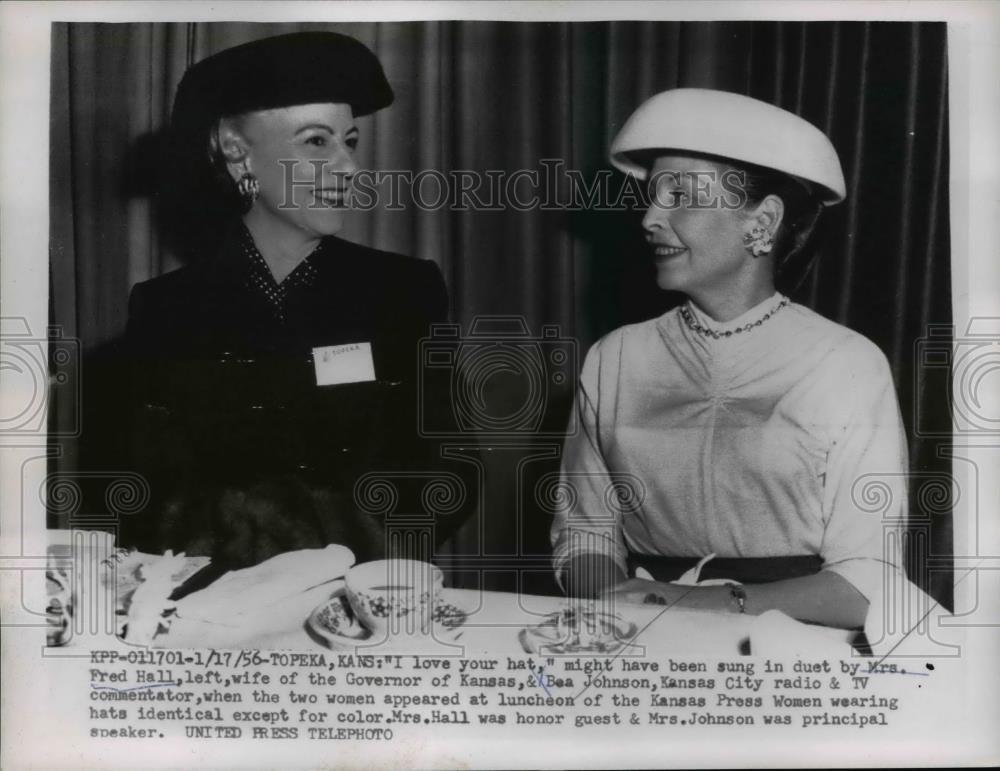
(335, 623)
(566, 632)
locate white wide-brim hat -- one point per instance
(704, 121)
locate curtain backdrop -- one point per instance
(504, 96)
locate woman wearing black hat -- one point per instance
(279, 364)
(744, 425)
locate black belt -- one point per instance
(746, 570)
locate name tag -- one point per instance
(350, 363)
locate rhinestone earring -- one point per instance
(758, 241)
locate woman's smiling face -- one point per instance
(695, 225)
(304, 159)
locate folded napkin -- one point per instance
(129, 568)
(692, 576)
(241, 595)
(150, 601)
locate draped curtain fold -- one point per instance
(506, 96)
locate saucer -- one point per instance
(565, 632)
(335, 623)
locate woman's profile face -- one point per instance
(304, 158)
(695, 225)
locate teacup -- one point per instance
(394, 596)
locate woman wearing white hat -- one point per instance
(744, 423)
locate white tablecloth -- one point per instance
(494, 622)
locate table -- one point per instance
(494, 623)
(495, 620)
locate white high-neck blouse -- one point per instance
(780, 441)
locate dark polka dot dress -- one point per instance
(261, 281)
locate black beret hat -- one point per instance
(299, 68)
(280, 71)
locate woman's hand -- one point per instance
(824, 598)
(639, 590)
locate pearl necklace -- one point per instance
(748, 327)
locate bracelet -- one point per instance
(739, 595)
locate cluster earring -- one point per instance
(758, 241)
(248, 188)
